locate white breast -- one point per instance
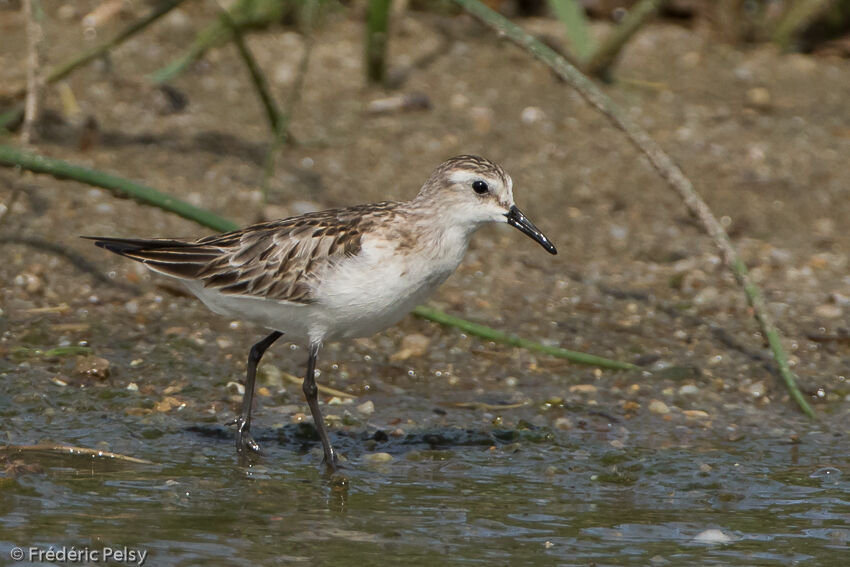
(375, 289)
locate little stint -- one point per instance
(338, 273)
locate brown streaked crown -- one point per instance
(470, 163)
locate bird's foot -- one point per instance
(332, 462)
(244, 442)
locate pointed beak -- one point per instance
(518, 220)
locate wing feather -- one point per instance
(276, 260)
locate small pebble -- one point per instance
(168, 403)
(93, 366)
(235, 388)
(458, 101)
(756, 390)
(829, 311)
(412, 345)
(374, 458)
(706, 296)
(759, 98)
(563, 423)
(690, 59)
(271, 375)
(532, 115)
(102, 14)
(30, 282)
(712, 536)
(658, 407)
(688, 390)
(583, 389)
(366, 408)
(399, 103)
(133, 387)
(67, 12)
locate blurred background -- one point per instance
(460, 449)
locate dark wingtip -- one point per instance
(117, 245)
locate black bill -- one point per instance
(518, 220)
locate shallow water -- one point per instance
(520, 496)
(589, 471)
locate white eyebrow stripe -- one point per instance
(465, 176)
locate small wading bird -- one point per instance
(338, 273)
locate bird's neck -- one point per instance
(439, 236)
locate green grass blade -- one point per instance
(13, 157)
(497, 336)
(377, 29)
(571, 14)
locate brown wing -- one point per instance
(275, 260)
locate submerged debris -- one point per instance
(93, 367)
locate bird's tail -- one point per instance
(125, 246)
(176, 258)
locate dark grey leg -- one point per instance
(311, 392)
(244, 441)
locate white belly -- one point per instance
(292, 319)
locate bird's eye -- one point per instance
(480, 187)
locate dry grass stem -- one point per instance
(35, 36)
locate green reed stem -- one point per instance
(502, 337)
(258, 79)
(600, 61)
(13, 157)
(244, 14)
